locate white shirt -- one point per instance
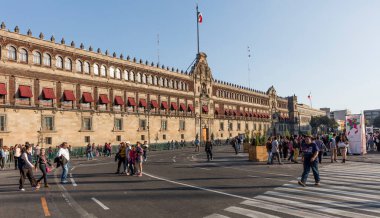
(64, 152)
(18, 152)
(274, 146)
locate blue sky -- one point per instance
(330, 47)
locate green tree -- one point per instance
(376, 122)
(323, 122)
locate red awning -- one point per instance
(154, 103)
(173, 106)
(204, 108)
(182, 107)
(234, 112)
(103, 98)
(250, 113)
(48, 93)
(226, 112)
(191, 108)
(119, 100)
(25, 91)
(87, 97)
(131, 101)
(68, 95)
(246, 114)
(3, 89)
(142, 103)
(164, 105)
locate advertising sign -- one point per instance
(355, 132)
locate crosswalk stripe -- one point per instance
(352, 193)
(349, 182)
(358, 170)
(249, 213)
(285, 209)
(353, 178)
(215, 215)
(328, 195)
(309, 206)
(322, 200)
(365, 175)
(331, 182)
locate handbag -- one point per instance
(342, 145)
(49, 169)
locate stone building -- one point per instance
(52, 92)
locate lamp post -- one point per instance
(147, 113)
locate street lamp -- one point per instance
(147, 113)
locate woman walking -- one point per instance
(26, 168)
(343, 144)
(121, 157)
(42, 162)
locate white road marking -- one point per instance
(100, 204)
(174, 159)
(215, 215)
(291, 210)
(203, 168)
(249, 213)
(197, 187)
(277, 174)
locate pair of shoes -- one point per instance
(128, 174)
(301, 183)
(139, 175)
(46, 186)
(281, 163)
(296, 162)
(117, 172)
(22, 190)
(317, 184)
(64, 182)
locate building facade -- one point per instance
(53, 92)
(370, 115)
(339, 114)
(304, 115)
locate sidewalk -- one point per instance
(370, 157)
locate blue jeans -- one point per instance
(306, 169)
(90, 156)
(269, 156)
(65, 171)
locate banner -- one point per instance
(355, 132)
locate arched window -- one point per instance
(86, 67)
(36, 57)
(176, 85)
(150, 80)
(79, 65)
(143, 79)
(138, 77)
(171, 84)
(96, 69)
(12, 53)
(68, 64)
(182, 86)
(59, 62)
(118, 73)
(112, 72)
(155, 80)
(132, 76)
(103, 71)
(126, 75)
(161, 82)
(23, 55)
(166, 84)
(47, 59)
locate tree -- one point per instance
(376, 122)
(324, 123)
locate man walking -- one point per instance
(275, 151)
(333, 149)
(145, 150)
(197, 145)
(208, 149)
(64, 156)
(309, 158)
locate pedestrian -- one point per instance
(269, 149)
(333, 148)
(197, 145)
(320, 146)
(377, 141)
(343, 145)
(42, 161)
(128, 167)
(145, 150)
(275, 151)
(132, 159)
(208, 149)
(139, 158)
(371, 143)
(309, 159)
(285, 147)
(291, 149)
(2, 157)
(89, 154)
(280, 150)
(296, 148)
(26, 168)
(121, 158)
(64, 159)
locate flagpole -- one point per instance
(197, 30)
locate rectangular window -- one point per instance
(142, 125)
(48, 140)
(164, 125)
(164, 137)
(230, 126)
(238, 126)
(118, 124)
(221, 135)
(48, 123)
(182, 136)
(118, 138)
(221, 126)
(181, 125)
(246, 126)
(87, 123)
(87, 139)
(142, 137)
(3, 123)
